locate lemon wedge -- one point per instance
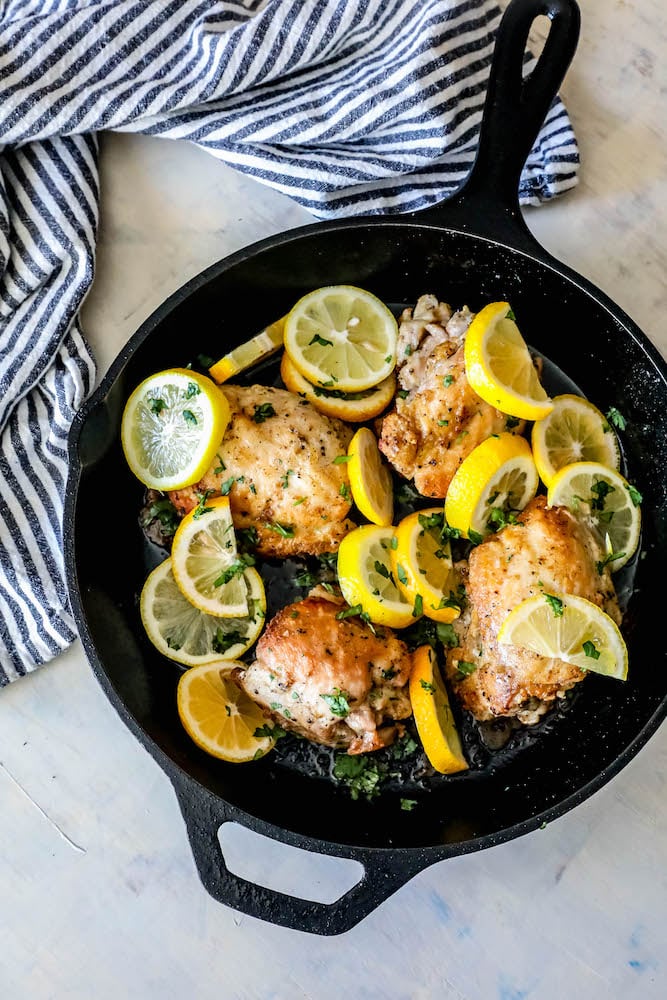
(568, 628)
(171, 428)
(422, 564)
(574, 431)
(355, 407)
(219, 716)
(366, 577)
(497, 479)
(607, 498)
(205, 562)
(189, 636)
(433, 714)
(260, 347)
(341, 337)
(370, 478)
(499, 366)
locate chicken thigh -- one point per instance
(330, 679)
(551, 551)
(277, 464)
(437, 419)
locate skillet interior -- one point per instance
(397, 260)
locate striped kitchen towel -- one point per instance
(348, 106)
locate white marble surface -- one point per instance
(99, 893)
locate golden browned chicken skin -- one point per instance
(276, 462)
(329, 679)
(550, 551)
(437, 419)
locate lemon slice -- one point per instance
(355, 407)
(370, 478)
(205, 562)
(219, 716)
(603, 495)
(251, 353)
(496, 479)
(499, 366)
(366, 577)
(422, 564)
(433, 714)
(341, 337)
(574, 431)
(190, 636)
(568, 628)
(172, 426)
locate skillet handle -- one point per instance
(487, 203)
(385, 871)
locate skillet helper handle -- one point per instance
(385, 871)
(515, 108)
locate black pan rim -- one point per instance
(432, 853)
(531, 252)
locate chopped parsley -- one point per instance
(220, 468)
(601, 489)
(201, 507)
(555, 604)
(510, 315)
(192, 390)
(338, 703)
(446, 635)
(431, 520)
(608, 559)
(351, 612)
(341, 459)
(616, 418)
(305, 579)
(237, 568)
(465, 668)
(284, 482)
(274, 732)
(511, 422)
(344, 491)
(635, 495)
(381, 569)
(475, 536)
(455, 600)
(499, 518)
(401, 574)
(262, 412)
(408, 804)
(403, 393)
(321, 341)
(247, 537)
(222, 641)
(443, 423)
(418, 609)
(403, 748)
(163, 511)
(226, 486)
(156, 405)
(299, 500)
(190, 418)
(427, 686)
(361, 774)
(447, 381)
(590, 649)
(284, 530)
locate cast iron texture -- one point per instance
(472, 249)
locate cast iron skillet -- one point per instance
(472, 249)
